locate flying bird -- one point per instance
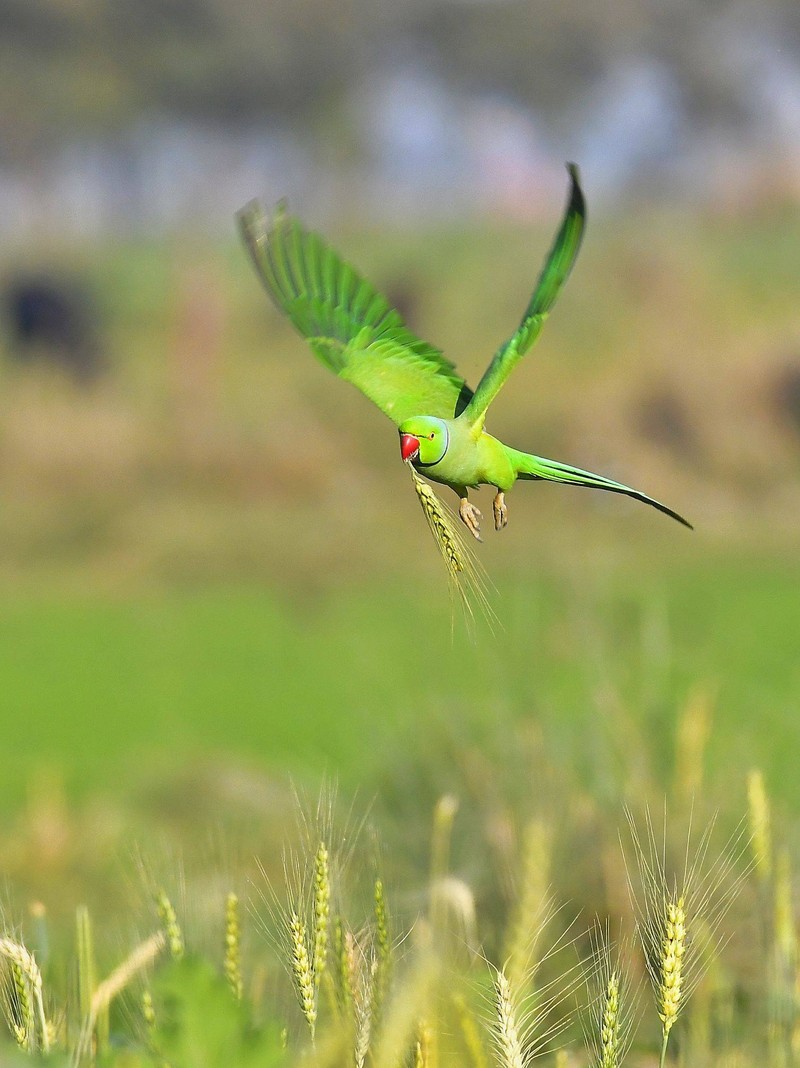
(354, 331)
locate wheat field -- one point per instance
(270, 799)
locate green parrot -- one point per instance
(353, 330)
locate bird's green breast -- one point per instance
(471, 462)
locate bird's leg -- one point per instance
(470, 516)
(500, 510)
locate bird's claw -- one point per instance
(470, 517)
(500, 511)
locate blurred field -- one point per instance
(214, 572)
(111, 689)
(216, 546)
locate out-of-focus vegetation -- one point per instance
(214, 576)
(84, 65)
(132, 115)
(670, 365)
(215, 546)
(213, 569)
(535, 933)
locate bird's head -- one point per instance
(423, 440)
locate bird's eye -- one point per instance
(431, 436)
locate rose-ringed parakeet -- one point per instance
(352, 329)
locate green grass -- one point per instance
(107, 684)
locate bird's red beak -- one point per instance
(409, 446)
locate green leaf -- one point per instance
(199, 1022)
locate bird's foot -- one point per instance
(500, 511)
(470, 517)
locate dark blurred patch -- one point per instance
(404, 295)
(784, 387)
(661, 417)
(49, 319)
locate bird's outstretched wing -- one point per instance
(350, 327)
(554, 274)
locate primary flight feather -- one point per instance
(353, 330)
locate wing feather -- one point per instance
(350, 327)
(554, 274)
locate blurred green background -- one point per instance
(213, 570)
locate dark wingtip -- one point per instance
(577, 201)
(637, 495)
(669, 511)
(685, 522)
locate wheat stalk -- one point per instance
(364, 1009)
(18, 1007)
(409, 1001)
(383, 949)
(87, 978)
(27, 977)
(526, 1018)
(302, 972)
(673, 948)
(443, 530)
(470, 1034)
(671, 909)
(784, 1018)
(609, 1025)
(759, 825)
(424, 1045)
(232, 963)
(148, 1009)
(613, 1001)
(322, 911)
(139, 958)
(344, 961)
(382, 939)
(533, 908)
(169, 920)
(691, 739)
(506, 1027)
(464, 572)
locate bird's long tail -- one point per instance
(537, 467)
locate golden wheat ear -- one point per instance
(232, 954)
(506, 1026)
(170, 925)
(31, 1030)
(680, 907)
(611, 1015)
(465, 573)
(302, 974)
